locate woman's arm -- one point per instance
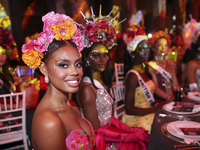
(87, 100)
(190, 70)
(131, 85)
(163, 94)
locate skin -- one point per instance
(56, 116)
(191, 68)
(98, 59)
(141, 55)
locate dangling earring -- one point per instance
(88, 63)
(46, 79)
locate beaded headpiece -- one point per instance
(100, 29)
(58, 26)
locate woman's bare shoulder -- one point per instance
(192, 62)
(86, 93)
(46, 119)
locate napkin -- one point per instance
(196, 108)
(194, 95)
(170, 105)
(177, 130)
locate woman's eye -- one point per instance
(63, 65)
(79, 65)
(106, 55)
(96, 55)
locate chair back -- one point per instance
(13, 119)
(22, 70)
(118, 76)
(118, 92)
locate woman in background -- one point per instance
(57, 122)
(94, 97)
(140, 104)
(6, 79)
(193, 66)
(162, 70)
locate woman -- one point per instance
(139, 100)
(94, 97)
(6, 79)
(57, 122)
(162, 70)
(193, 66)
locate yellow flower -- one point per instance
(64, 31)
(32, 58)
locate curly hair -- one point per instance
(158, 35)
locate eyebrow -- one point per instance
(67, 60)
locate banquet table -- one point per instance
(158, 140)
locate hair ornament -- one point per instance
(58, 26)
(158, 35)
(191, 32)
(99, 29)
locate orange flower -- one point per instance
(32, 58)
(64, 31)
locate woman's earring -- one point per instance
(46, 79)
(88, 63)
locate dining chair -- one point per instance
(118, 76)
(13, 120)
(118, 92)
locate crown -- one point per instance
(100, 29)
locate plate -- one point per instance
(168, 107)
(174, 128)
(193, 96)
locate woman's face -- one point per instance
(98, 58)
(143, 50)
(65, 69)
(2, 56)
(161, 47)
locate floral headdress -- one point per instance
(158, 35)
(100, 29)
(6, 40)
(58, 26)
(191, 32)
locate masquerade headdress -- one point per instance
(100, 29)
(158, 35)
(191, 32)
(58, 26)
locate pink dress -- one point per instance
(80, 140)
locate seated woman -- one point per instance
(94, 97)
(193, 67)
(57, 122)
(162, 70)
(140, 105)
(6, 78)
